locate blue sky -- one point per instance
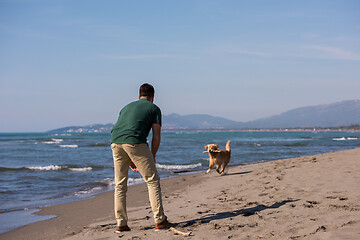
(79, 62)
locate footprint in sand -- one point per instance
(311, 204)
(336, 197)
(331, 197)
(320, 229)
(345, 207)
(349, 223)
(202, 212)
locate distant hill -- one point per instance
(197, 121)
(95, 128)
(329, 115)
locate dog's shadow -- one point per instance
(237, 173)
(223, 215)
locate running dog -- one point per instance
(219, 157)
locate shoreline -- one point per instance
(31, 215)
(207, 204)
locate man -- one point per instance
(130, 149)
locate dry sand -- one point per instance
(311, 197)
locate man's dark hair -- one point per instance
(146, 90)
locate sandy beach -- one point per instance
(310, 197)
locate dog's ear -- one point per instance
(206, 147)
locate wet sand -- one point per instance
(310, 197)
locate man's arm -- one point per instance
(156, 138)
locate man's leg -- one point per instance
(121, 170)
(140, 154)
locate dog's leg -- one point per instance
(223, 166)
(211, 164)
(222, 170)
(209, 169)
(218, 169)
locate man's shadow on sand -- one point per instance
(222, 215)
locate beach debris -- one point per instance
(176, 231)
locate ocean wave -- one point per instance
(45, 168)
(110, 182)
(134, 181)
(345, 138)
(178, 167)
(69, 146)
(54, 141)
(296, 144)
(57, 168)
(102, 185)
(73, 168)
(84, 169)
(107, 182)
(98, 145)
(88, 191)
(4, 169)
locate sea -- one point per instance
(42, 169)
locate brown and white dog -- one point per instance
(219, 157)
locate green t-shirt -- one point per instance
(135, 121)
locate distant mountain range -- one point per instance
(329, 115)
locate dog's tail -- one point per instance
(228, 146)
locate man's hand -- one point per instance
(155, 143)
(133, 167)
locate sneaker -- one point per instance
(163, 225)
(120, 229)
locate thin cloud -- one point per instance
(310, 36)
(24, 32)
(139, 57)
(241, 51)
(254, 53)
(334, 53)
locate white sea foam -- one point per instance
(84, 169)
(88, 191)
(56, 168)
(106, 184)
(345, 138)
(54, 141)
(178, 167)
(133, 181)
(109, 181)
(46, 168)
(69, 146)
(57, 139)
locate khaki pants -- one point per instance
(141, 156)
